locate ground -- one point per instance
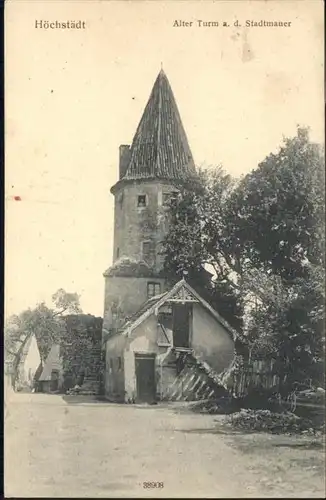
(74, 447)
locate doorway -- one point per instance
(145, 377)
(181, 325)
(54, 383)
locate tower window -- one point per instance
(147, 251)
(118, 252)
(141, 202)
(153, 289)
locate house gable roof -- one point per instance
(181, 292)
(38, 372)
(53, 362)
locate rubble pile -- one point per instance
(276, 423)
(78, 390)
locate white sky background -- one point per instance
(72, 97)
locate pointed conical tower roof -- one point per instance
(160, 147)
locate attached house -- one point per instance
(30, 361)
(51, 378)
(174, 347)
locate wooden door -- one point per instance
(181, 325)
(54, 383)
(145, 377)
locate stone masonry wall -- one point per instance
(128, 294)
(134, 225)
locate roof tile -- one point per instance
(160, 147)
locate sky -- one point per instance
(73, 96)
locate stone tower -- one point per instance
(150, 171)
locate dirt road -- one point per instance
(64, 447)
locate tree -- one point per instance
(289, 329)
(277, 215)
(43, 322)
(197, 238)
(277, 212)
(264, 237)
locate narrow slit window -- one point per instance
(147, 251)
(141, 201)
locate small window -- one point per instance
(141, 200)
(119, 363)
(153, 289)
(118, 252)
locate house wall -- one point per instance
(53, 362)
(114, 374)
(128, 294)
(143, 340)
(45, 385)
(166, 376)
(29, 362)
(211, 340)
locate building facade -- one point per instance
(51, 378)
(140, 364)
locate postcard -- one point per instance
(165, 249)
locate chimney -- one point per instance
(124, 159)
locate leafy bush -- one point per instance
(82, 334)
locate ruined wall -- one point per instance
(211, 340)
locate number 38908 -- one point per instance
(153, 484)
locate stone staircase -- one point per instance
(196, 380)
(91, 384)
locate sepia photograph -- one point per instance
(164, 330)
